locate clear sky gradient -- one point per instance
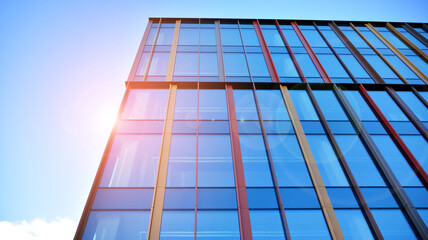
(62, 70)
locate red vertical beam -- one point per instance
(414, 164)
(266, 54)
(290, 52)
(311, 53)
(238, 168)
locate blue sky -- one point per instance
(62, 70)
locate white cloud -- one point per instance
(38, 229)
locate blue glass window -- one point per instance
(217, 198)
(272, 105)
(313, 37)
(178, 225)
(272, 37)
(143, 63)
(299, 198)
(109, 225)
(132, 161)
(332, 37)
(212, 104)
(278, 127)
(257, 64)
(301, 228)
(179, 198)
(208, 64)
(159, 63)
(256, 166)
(188, 36)
(266, 224)
(342, 198)
(303, 105)
(186, 64)
(419, 63)
(417, 107)
(215, 167)
(146, 104)
(332, 66)
(140, 127)
(353, 224)
(289, 164)
(419, 196)
(329, 105)
(354, 66)
(230, 36)
(213, 127)
(400, 66)
(308, 68)
(326, 160)
(235, 64)
(419, 147)
(284, 65)
(379, 198)
(380, 66)
(393, 224)
(151, 36)
(391, 111)
(217, 225)
(207, 36)
(123, 199)
(261, 198)
(250, 37)
(245, 105)
(360, 106)
(291, 36)
(165, 36)
(182, 161)
(186, 104)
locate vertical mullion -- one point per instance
(140, 51)
(422, 99)
(220, 62)
(335, 54)
(88, 205)
(153, 231)
(317, 181)
(415, 34)
(197, 160)
(379, 54)
(352, 182)
(398, 53)
(364, 63)
(245, 52)
(408, 43)
(400, 195)
(272, 167)
(290, 52)
(238, 168)
(409, 113)
(311, 53)
(152, 51)
(173, 53)
(266, 54)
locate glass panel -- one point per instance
(235, 64)
(379, 198)
(140, 127)
(332, 65)
(230, 36)
(188, 36)
(303, 105)
(182, 161)
(360, 106)
(419, 147)
(212, 104)
(299, 198)
(380, 66)
(178, 225)
(213, 127)
(218, 225)
(159, 63)
(419, 197)
(400, 66)
(393, 224)
(215, 167)
(417, 107)
(289, 165)
(353, 224)
(179, 198)
(391, 111)
(257, 64)
(278, 127)
(217, 198)
(186, 64)
(110, 225)
(266, 224)
(284, 65)
(342, 198)
(291, 37)
(250, 37)
(151, 36)
(123, 199)
(186, 104)
(256, 166)
(313, 37)
(331, 37)
(261, 198)
(146, 104)
(207, 36)
(272, 37)
(329, 105)
(272, 105)
(143, 63)
(208, 64)
(132, 161)
(354, 66)
(307, 66)
(245, 105)
(301, 228)
(165, 36)
(419, 63)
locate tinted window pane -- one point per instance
(360, 106)
(143, 63)
(186, 64)
(299, 198)
(178, 225)
(301, 228)
(307, 66)
(419, 147)
(186, 104)
(159, 63)
(207, 36)
(235, 64)
(123, 199)
(208, 64)
(393, 224)
(379, 198)
(342, 198)
(272, 37)
(353, 224)
(112, 225)
(380, 66)
(332, 65)
(266, 224)
(313, 37)
(245, 105)
(419, 197)
(230, 36)
(261, 198)
(303, 105)
(391, 111)
(284, 65)
(182, 161)
(218, 225)
(257, 64)
(292, 37)
(165, 36)
(151, 36)
(272, 105)
(212, 104)
(354, 66)
(250, 37)
(132, 161)
(217, 198)
(418, 108)
(332, 37)
(146, 104)
(140, 127)
(176, 198)
(329, 105)
(188, 36)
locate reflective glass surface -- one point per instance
(146, 104)
(266, 224)
(217, 225)
(177, 225)
(301, 228)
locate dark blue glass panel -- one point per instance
(419, 147)
(208, 64)
(424, 215)
(354, 66)
(419, 63)
(329, 105)
(250, 37)
(303, 105)
(140, 127)
(261, 198)
(355, 39)
(217, 198)
(178, 225)
(299, 198)
(326, 160)
(332, 66)
(417, 107)
(401, 67)
(359, 105)
(388, 107)
(308, 67)
(182, 161)
(312, 127)
(398, 164)
(254, 158)
(380, 66)
(207, 36)
(257, 64)
(159, 63)
(302, 228)
(217, 224)
(245, 105)
(379, 198)
(110, 225)
(278, 127)
(284, 65)
(374, 127)
(392, 224)
(215, 167)
(272, 105)
(132, 161)
(291, 37)
(360, 162)
(165, 36)
(353, 224)
(186, 104)
(146, 104)
(235, 64)
(342, 198)
(230, 36)
(249, 127)
(123, 199)
(188, 36)
(313, 37)
(272, 37)
(289, 165)
(266, 224)
(331, 37)
(212, 104)
(186, 64)
(418, 196)
(341, 127)
(179, 198)
(184, 127)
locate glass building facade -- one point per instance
(268, 129)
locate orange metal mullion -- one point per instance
(152, 51)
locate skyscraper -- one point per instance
(268, 129)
